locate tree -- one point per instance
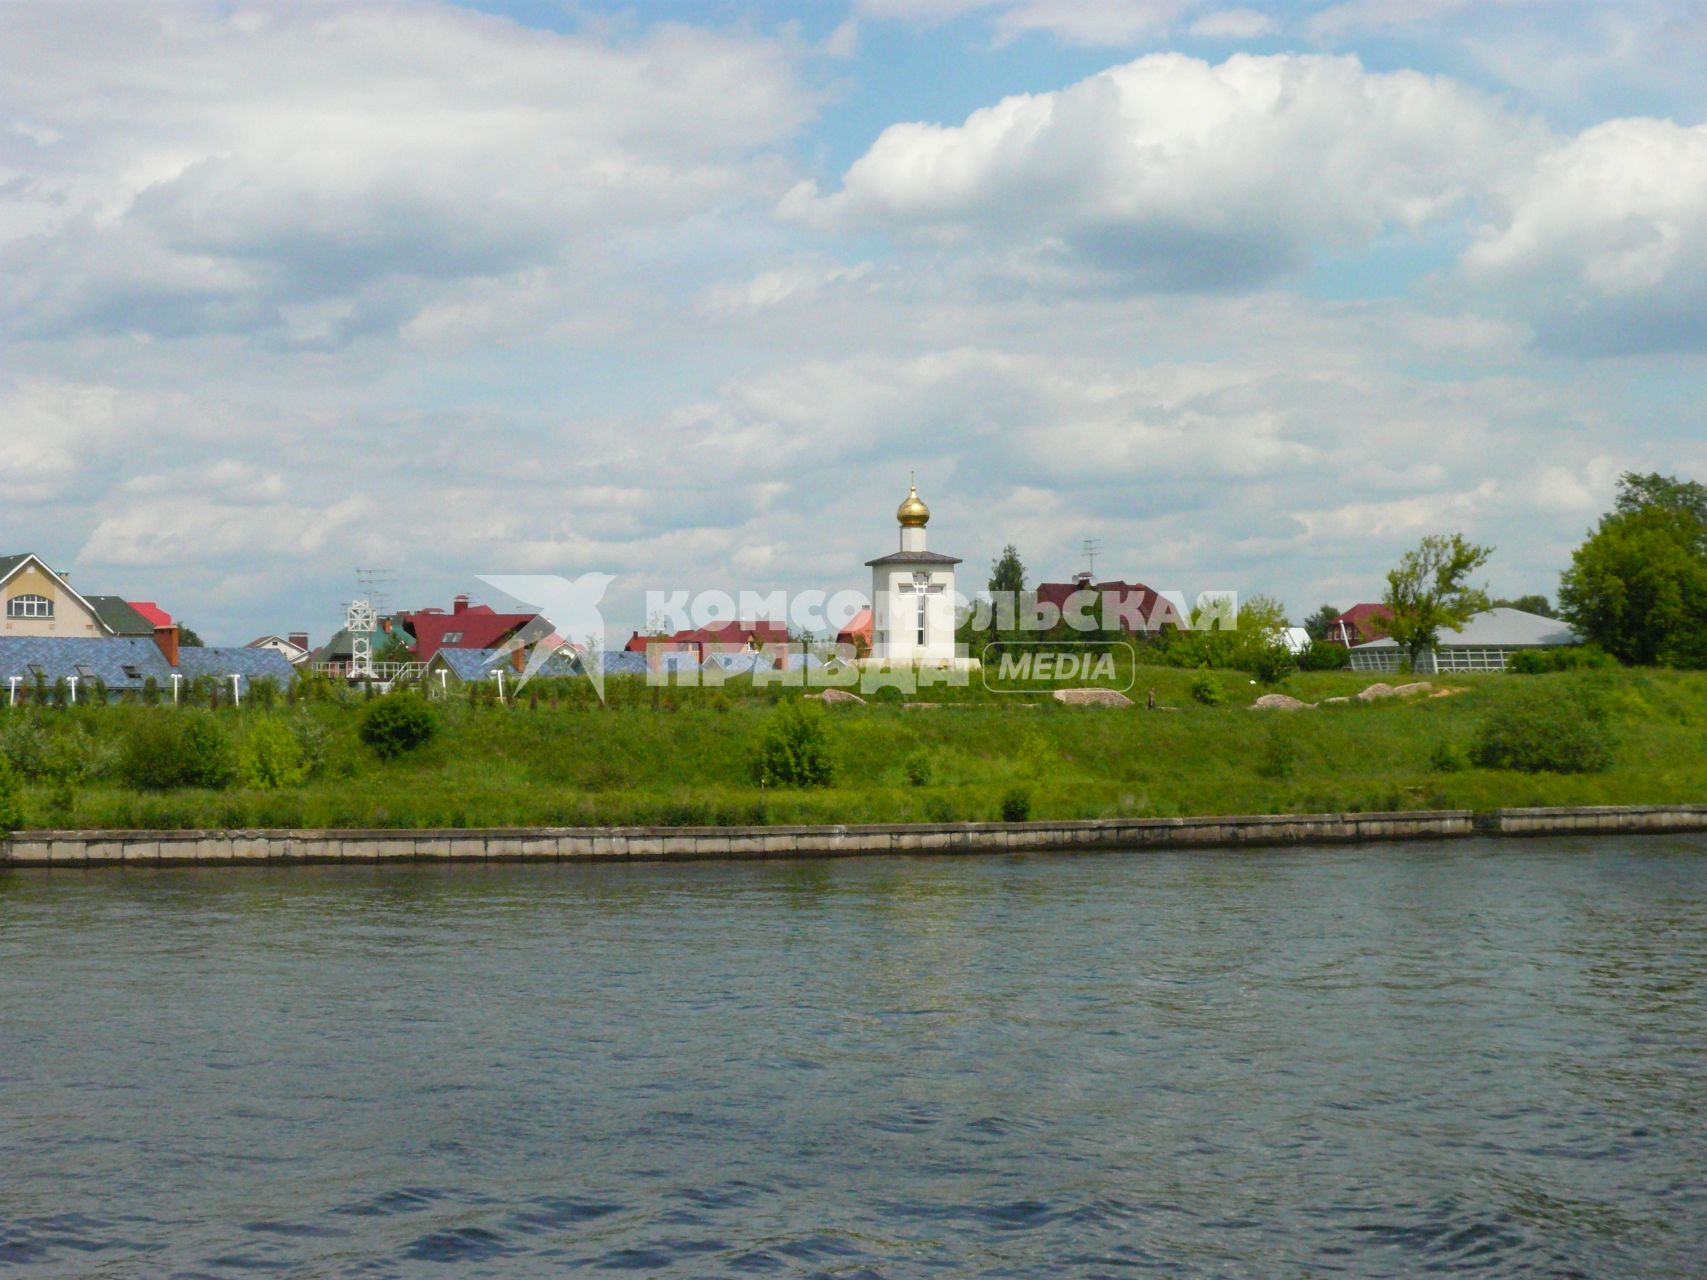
(1427, 592)
(188, 639)
(1007, 575)
(1316, 625)
(1638, 587)
(1536, 604)
(1668, 493)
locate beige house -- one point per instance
(36, 601)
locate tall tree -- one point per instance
(1536, 604)
(1318, 622)
(1666, 493)
(1429, 591)
(1638, 586)
(1007, 575)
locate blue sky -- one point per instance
(1255, 294)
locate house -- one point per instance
(1359, 624)
(856, 636)
(474, 666)
(469, 626)
(123, 665)
(293, 647)
(1111, 604)
(714, 637)
(1485, 642)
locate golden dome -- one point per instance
(913, 513)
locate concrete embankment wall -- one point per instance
(172, 848)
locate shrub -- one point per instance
(1535, 662)
(1540, 729)
(1207, 689)
(1448, 757)
(24, 746)
(271, 757)
(1278, 759)
(918, 768)
(1272, 663)
(1321, 656)
(397, 723)
(793, 749)
(11, 798)
(1016, 805)
(189, 750)
(206, 753)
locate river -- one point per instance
(1382, 1060)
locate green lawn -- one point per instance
(681, 757)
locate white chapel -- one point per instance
(912, 595)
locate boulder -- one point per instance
(1092, 697)
(1280, 702)
(835, 695)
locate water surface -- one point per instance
(1476, 1056)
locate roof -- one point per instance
(858, 625)
(737, 663)
(119, 618)
(913, 557)
(224, 662)
(617, 663)
(66, 656)
(476, 627)
(153, 612)
(1496, 628)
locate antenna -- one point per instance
(1092, 546)
(372, 584)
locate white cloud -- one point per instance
(1234, 24)
(188, 168)
(1177, 174)
(1084, 22)
(1603, 241)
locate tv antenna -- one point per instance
(372, 584)
(1092, 546)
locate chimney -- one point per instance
(1082, 578)
(167, 639)
(459, 605)
(519, 658)
(299, 639)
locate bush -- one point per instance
(793, 749)
(1540, 729)
(168, 751)
(1278, 759)
(1536, 662)
(1272, 663)
(918, 768)
(24, 746)
(1207, 689)
(1016, 805)
(1448, 757)
(1321, 656)
(397, 723)
(271, 757)
(207, 759)
(11, 798)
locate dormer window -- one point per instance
(452, 637)
(29, 607)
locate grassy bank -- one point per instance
(682, 757)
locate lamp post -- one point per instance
(12, 690)
(176, 678)
(71, 682)
(237, 690)
(499, 676)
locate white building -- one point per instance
(912, 596)
(1485, 642)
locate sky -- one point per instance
(1254, 295)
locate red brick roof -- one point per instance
(1112, 596)
(156, 616)
(474, 627)
(1360, 626)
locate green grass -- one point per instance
(681, 757)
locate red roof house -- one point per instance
(715, 637)
(857, 634)
(1127, 604)
(470, 626)
(1357, 625)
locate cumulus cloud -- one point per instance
(1085, 22)
(1181, 175)
(1603, 241)
(190, 168)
